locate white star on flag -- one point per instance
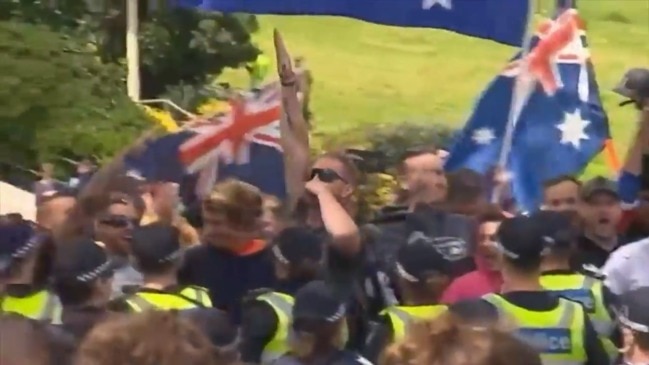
(483, 136)
(428, 4)
(573, 129)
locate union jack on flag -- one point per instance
(243, 143)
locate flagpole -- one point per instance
(515, 106)
(132, 50)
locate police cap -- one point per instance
(419, 259)
(521, 238)
(17, 240)
(316, 302)
(156, 243)
(82, 260)
(295, 244)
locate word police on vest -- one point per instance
(548, 340)
(452, 248)
(581, 296)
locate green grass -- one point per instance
(367, 74)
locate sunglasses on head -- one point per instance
(325, 175)
(119, 221)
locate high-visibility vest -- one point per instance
(587, 291)
(282, 305)
(42, 305)
(558, 334)
(402, 316)
(189, 298)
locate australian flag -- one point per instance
(560, 124)
(498, 20)
(243, 143)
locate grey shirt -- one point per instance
(125, 275)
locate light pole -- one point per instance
(132, 50)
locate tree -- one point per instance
(58, 99)
(179, 47)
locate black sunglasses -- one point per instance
(120, 221)
(325, 175)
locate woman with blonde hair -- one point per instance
(451, 340)
(151, 338)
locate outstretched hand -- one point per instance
(285, 71)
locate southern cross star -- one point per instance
(483, 136)
(428, 4)
(573, 129)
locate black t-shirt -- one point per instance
(540, 301)
(590, 254)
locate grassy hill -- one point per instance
(367, 74)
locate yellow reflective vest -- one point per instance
(558, 334)
(189, 297)
(402, 316)
(282, 305)
(41, 305)
(587, 291)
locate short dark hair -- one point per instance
(72, 292)
(490, 213)
(464, 186)
(415, 152)
(559, 179)
(526, 266)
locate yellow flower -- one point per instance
(213, 106)
(163, 118)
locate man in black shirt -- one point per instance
(549, 323)
(601, 212)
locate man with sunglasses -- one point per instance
(113, 227)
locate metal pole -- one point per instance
(132, 50)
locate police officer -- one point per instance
(557, 327)
(633, 317)
(25, 262)
(157, 254)
(422, 274)
(318, 329)
(297, 253)
(82, 278)
(635, 86)
(558, 278)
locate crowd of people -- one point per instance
(112, 271)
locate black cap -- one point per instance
(295, 244)
(156, 243)
(634, 85)
(521, 238)
(599, 185)
(557, 226)
(632, 312)
(17, 240)
(317, 302)
(83, 260)
(419, 259)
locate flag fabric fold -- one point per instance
(244, 144)
(501, 21)
(562, 124)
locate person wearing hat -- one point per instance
(559, 328)
(558, 278)
(600, 211)
(157, 254)
(422, 275)
(25, 265)
(635, 87)
(318, 329)
(82, 279)
(633, 317)
(297, 254)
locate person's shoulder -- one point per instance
(350, 357)
(120, 304)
